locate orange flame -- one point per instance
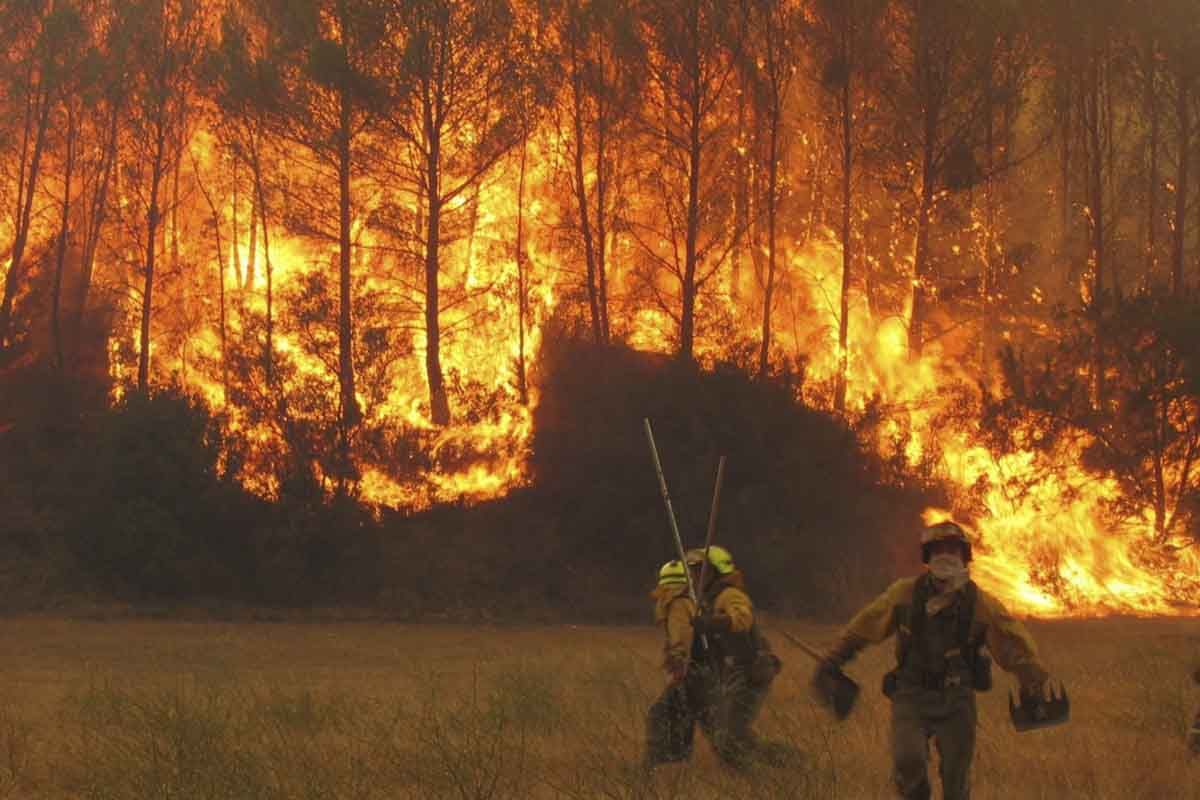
(1042, 544)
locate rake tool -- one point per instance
(833, 688)
(1033, 712)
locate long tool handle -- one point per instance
(662, 485)
(712, 519)
(803, 645)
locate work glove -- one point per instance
(709, 623)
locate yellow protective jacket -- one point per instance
(1007, 639)
(674, 610)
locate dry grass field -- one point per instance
(124, 710)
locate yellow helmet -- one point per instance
(672, 573)
(720, 558)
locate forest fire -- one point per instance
(356, 272)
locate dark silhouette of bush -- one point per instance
(140, 500)
(803, 508)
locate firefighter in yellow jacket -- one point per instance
(942, 620)
(719, 665)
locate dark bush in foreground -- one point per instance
(139, 500)
(803, 506)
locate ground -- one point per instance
(123, 710)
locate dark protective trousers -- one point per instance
(723, 703)
(945, 717)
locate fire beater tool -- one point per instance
(833, 688)
(1030, 714)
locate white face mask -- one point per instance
(948, 567)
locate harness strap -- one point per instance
(915, 630)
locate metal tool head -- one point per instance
(1032, 713)
(835, 690)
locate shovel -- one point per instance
(833, 688)
(1030, 714)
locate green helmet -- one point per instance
(720, 558)
(672, 573)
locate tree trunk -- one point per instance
(439, 403)
(152, 223)
(1152, 178)
(741, 219)
(522, 278)
(64, 232)
(237, 236)
(772, 208)
(581, 201)
(1065, 101)
(185, 288)
(1183, 115)
(687, 317)
(925, 210)
(987, 326)
(27, 188)
(1096, 206)
(252, 245)
(603, 165)
(847, 120)
(219, 249)
(261, 204)
(349, 402)
(95, 223)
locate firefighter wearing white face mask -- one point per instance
(942, 621)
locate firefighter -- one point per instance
(942, 621)
(719, 665)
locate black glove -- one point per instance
(709, 623)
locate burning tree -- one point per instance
(37, 39)
(688, 233)
(458, 94)
(604, 59)
(770, 61)
(933, 102)
(165, 47)
(1146, 434)
(324, 99)
(847, 41)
